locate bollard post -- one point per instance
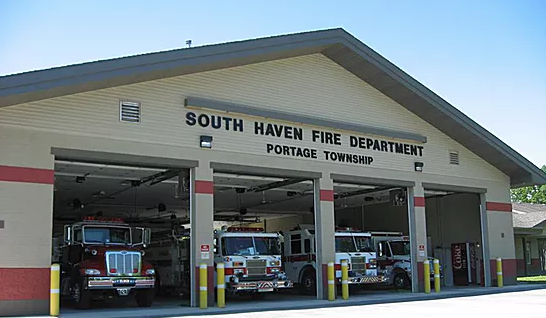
(54, 290)
(437, 275)
(331, 281)
(203, 297)
(221, 285)
(344, 280)
(426, 271)
(500, 282)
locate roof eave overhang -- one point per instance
(336, 44)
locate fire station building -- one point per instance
(319, 106)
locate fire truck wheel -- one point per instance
(81, 297)
(308, 284)
(401, 281)
(145, 298)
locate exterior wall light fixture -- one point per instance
(206, 141)
(419, 166)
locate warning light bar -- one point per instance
(102, 219)
(245, 229)
(347, 229)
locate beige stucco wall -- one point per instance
(310, 85)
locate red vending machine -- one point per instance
(463, 261)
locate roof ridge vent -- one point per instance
(129, 111)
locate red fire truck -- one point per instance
(102, 258)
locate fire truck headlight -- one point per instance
(150, 271)
(90, 272)
(275, 263)
(274, 270)
(238, 271)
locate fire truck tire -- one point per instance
(145, 298)
(80, 296)
(308, 285)
(401, 281)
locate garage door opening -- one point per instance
(257, 217)
(113, 229)
(372, 234)
(455, 236)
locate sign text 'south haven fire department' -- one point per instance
(318, 136)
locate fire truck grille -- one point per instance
(358, 264)
(123, 263)
(256, 267)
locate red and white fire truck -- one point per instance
(252, 260)
(351, 245)
(394, 258)
(101, 258)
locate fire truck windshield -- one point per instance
(364, 243)
(248, 246)
(400, 247)
(107, 235)
(345, 244)
(351, 244)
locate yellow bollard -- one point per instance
(344, 280)
(500, 281)
(437, 275)
(331, 281)
(221, 285)
(54, 291)
(426, 271)
(203, 297)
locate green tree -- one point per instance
(533, 194)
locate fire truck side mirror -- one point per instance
(146, 237)
(67, 234)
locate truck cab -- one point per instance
(252, 260)
(394, 258)
(351, 245)
(101, 258)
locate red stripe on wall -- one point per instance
(509, 268)
(324, 268)
(419, 202)
(327, 195)
(204, 187)
(498, 206)
(24, 283)
(28, 175)
(421, 272)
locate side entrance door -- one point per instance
(542, 255)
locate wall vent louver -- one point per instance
(454, 157)
(129, 112)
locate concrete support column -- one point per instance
(497, 236)
(418, 235)
(485, 241)
(324, 231)
(201, 219)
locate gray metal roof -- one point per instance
(528, 215)
(336, 44)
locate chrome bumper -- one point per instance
(366, 280)
(120, 282)
(259, 286)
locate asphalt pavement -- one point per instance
(463, 302)
(528, 304)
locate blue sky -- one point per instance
(487, 58)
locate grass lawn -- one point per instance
(532, 279)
